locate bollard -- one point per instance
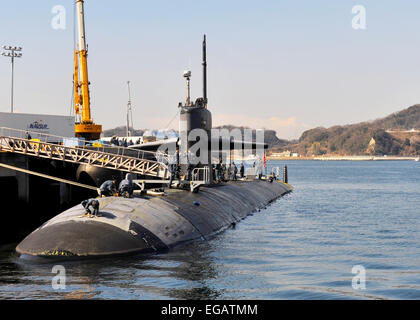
(285, 180)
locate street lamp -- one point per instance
(12, 53)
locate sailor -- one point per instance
(258, 170)
(273, 174)
(224, 172)
(190, 169)
(173, 167)
(126, 186)
(91, 203)
(219, 171)
(234, 171)
(108, 188)
(27, 137)
(242, 170)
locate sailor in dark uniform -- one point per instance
(107, 189)
(219, 171)
(126, 188)
(190, 169)
(234, 171)
(242, 170)
(91, 203)
(173, 167)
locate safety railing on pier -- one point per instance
(74, 150)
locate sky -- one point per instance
(283, 65)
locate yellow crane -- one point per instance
(84, 126)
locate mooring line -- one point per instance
(48, 177)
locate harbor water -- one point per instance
(344, 220)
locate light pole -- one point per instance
(11, 53)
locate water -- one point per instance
(303, 246)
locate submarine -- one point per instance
(148, 222)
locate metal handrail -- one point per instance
(205, 174)
(49, 138)
(81, 155)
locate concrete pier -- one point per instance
(27, 200)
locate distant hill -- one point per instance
(404, 120)
(121, 132)
(384, 136)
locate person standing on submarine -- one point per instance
(242, 170)
(190, 168)
(229, 171)
(234, 171)
(108, 188)
(173, 167)
(219, 171)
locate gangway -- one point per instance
(57, 148)
(200, 177)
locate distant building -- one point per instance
(161, 134)
(284, 154)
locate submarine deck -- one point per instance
(150, 223)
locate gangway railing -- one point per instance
(200, 176)
(97, 145)
(68, 149)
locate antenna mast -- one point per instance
(204, 72)
(129, 111)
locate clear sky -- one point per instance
(285, 65)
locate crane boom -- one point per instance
(84, 127)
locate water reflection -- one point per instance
(181, 273)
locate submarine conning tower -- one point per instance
(195, 115)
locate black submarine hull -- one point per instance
(149, 224)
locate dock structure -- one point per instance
(122, 159)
